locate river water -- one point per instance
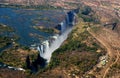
(22, 21)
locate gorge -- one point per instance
(65, 27)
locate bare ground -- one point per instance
(110, 40)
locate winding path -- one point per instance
(110, 51)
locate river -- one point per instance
(23, 20)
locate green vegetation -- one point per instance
(47, 30)
(78, 52)
(86, 18)
(5, 35)
(17, 57)
(114, 70)
(5, 39)
(87, 10)
(116, 66)
(11, 59)
(7, 73)
(88, 15)
(11, 56)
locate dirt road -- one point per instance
(109, 40)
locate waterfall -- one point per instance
(44, 47)
(47, 47)
(67, 19)
(63, 26)
(55, 45)
(71, 18)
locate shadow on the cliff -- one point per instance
(35, 65)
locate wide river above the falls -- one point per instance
(23, 20)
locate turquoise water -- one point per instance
(22, 21)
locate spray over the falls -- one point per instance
(47, 47)
(54, 45)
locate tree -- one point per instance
(86, 10)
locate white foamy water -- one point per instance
(48, 47)
(55, 45)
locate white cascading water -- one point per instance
(63, 26)
(56, 44)
(47, 48)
